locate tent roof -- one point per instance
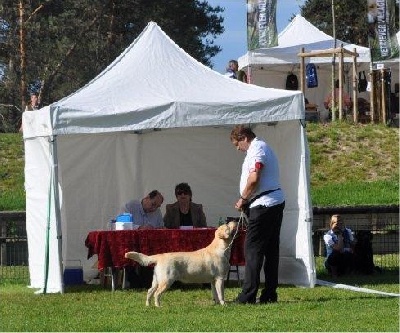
(301, 32)
(297, 34)
(156, 84)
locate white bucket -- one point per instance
(123, 225)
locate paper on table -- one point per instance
(186, 227)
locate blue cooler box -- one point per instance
(73, 275)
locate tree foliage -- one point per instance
(350, 17)
(62, 44)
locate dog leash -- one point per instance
(243, 221)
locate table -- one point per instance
(111, 246)
(312, 113)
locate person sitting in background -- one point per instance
(184, 212)
(346, 100)
(146, 213)
(339, 242)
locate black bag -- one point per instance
(292, 83)
(363, 253)
(311, 76)
(362, 82)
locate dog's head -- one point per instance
(226, 231)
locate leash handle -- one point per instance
(243, 220)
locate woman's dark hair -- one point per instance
(183, 188)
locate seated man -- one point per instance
(339, 242)
(147, 214)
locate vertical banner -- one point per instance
(381, 30)
(261, 24)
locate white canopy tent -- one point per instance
(270, 66)
(153, 118)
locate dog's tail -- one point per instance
(141, 258)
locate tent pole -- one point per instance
(249, 68)
(302, 77)
(355, 99)
(341, 76)
(57, 207)
(47, 245)
(383, 97)
(372, 96)
(333, 100)
(308, 212)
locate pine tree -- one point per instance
(350, 16)
(57, 46)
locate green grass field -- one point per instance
(190, 309)
(320, 309)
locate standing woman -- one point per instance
(263, 202)
(184, 212)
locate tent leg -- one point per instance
(53, 145)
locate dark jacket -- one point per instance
(172, 216)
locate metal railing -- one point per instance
(13, 248)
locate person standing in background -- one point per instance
(234, 72)
(34, 103)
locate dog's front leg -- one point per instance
(219, 288)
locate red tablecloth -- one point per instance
(111, 246)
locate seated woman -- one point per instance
(339, 242)
(184, 212)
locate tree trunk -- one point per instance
(22, 50)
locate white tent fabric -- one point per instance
(153, 118)
(270, 66)
(297, 34)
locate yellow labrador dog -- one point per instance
(209, 264)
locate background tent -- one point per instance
(269, 67)
(153, 118)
